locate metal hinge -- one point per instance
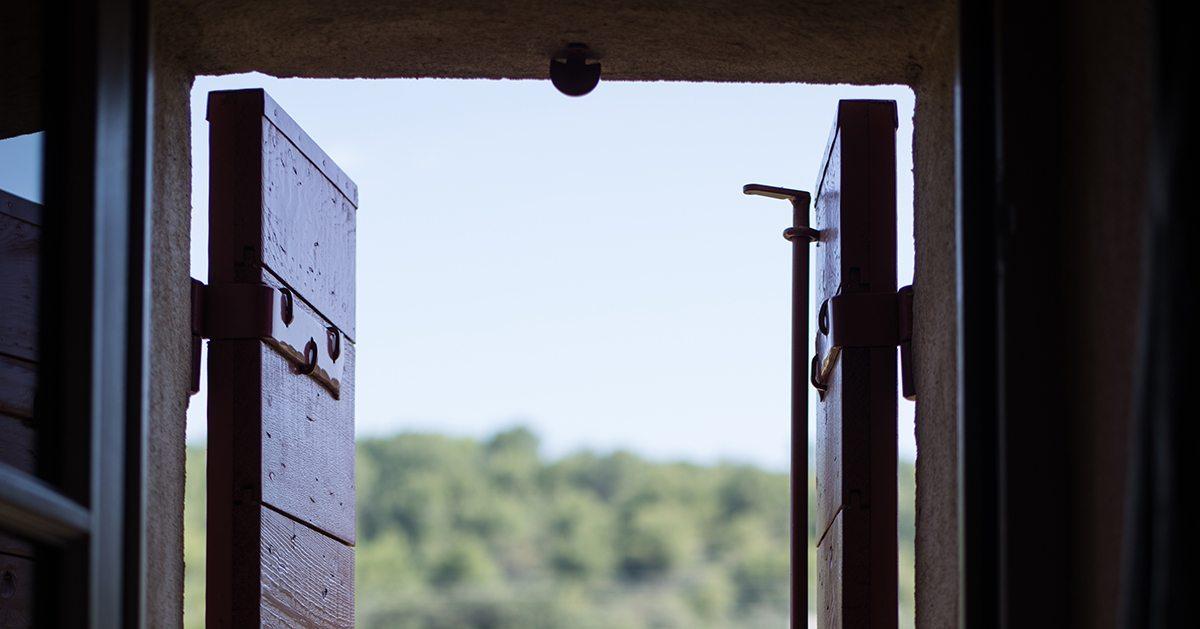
(864, 320)
(258, 311)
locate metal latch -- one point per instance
(258, 311)
(864, 320)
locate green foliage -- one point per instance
(460, 533)
(193, 539)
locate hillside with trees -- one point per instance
(463, 533)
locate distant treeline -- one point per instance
(462, 533)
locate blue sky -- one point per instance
(21, 166)
(587, 267)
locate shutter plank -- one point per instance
(280, 205)
(18, 384)
(308, 446)
(20, 239)
(16, 590)
(308, 230)
(18, 277)
(829, 561)
(18, 443)
(307, 578)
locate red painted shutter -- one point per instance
(281, 442)
(855, 210)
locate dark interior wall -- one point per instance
(20, 81)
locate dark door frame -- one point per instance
(1015, 433)
(85, 508)
(1160, 550)
(976, 220)
(1018, 440)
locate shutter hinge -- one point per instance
(864, 320)
(257, 311)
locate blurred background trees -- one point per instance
(462, 533)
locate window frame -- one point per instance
(85, 507)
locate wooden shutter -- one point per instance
(281, 442)
(855, 211)
(20, 240)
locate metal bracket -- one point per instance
(258, 311)
(864, 320)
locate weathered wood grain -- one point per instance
(20, 237)
(281, 448)
(308, 446)
(305, 447)
(18, 443)
(829, 562)
(18, 382)
(289, 128)
(18, 282)
(308, 230)
(307, 578)
(283, 202)
(829, 447)
(11, 545)
(276, 438)
(855, 210)
(20, 208)
(234, 461)
(16, 591)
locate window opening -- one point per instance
(572, 381)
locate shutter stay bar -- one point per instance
(257, 311)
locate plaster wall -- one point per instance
(935, 334)
(170, 338)
(868, 42)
